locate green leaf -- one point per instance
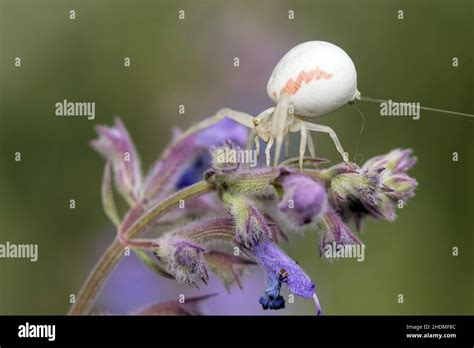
(108, 202)
(228, 268)
(152, 263)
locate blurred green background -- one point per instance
(190, 62)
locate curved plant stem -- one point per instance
(104, 267)
(96, 279)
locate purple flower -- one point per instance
(304, 199)
(402, 185)
(182, 163)
(392, 168)
(185, 160)
(250, 225)
(280, 268)
(165, 173)
(195, 171)
(361, 194)
(190, 250)
(222, 131)
(374, 189)
(185, 260)
(260, 203)
(333, 230)
(225, 130)
(115, 145)
(396, 161)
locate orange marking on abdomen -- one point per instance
(292, 86)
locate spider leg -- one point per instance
(239, 117)
(257, 145)
(311, 145)
(265, 114)
(267, 150)
(249, 143)
(303, 143)
(287, 145)
(279, 123)
(332, 134)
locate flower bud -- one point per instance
(375, 188)
(303, 201)
(184, 259)
(333, 230)
(189, 251)
(402, 185)
(116, 146)
(396, 161)
(355, 195)
(249, 224)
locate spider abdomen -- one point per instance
(319, 77)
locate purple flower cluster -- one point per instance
(373, 190)
(181, 164)
(253, 206)
(323, 200)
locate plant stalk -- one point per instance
(100, 273)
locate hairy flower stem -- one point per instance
(96, 279)
(102, 270)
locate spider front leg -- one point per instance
(303, 143)
(267, 151)
(250, 139)
(287, 145)
(312, 152)
(239, 117)
(279, 124)
(257, 145)
(332, 134)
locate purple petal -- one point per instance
(184, 162)
(217, 134)
(273, 260)
(166, 172)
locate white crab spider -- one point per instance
(311, 80)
